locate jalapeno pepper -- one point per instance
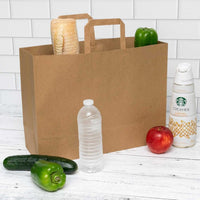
(145, 36)
(48, 175)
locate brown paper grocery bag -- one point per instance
(128, 86)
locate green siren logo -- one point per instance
(181, 101)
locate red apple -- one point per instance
(159, 139)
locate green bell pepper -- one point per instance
(145, 36)
(48, 175)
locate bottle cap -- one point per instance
(184, 74)
(88, 102)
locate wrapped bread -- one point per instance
(64, 36)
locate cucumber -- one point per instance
(25, 162)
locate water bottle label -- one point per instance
(184, 130)
(183, 104)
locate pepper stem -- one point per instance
(55, 177)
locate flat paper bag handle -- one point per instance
(79, 16)
(76, 16)
(90, 40)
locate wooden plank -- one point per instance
(11, 123)
(134, 174)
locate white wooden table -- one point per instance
(134, 174)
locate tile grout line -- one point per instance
(6, 129)
(189, 59)
(139, 19)
(199, 68)
(10, 9)
(133, 6)
(178, 10)
(13, 54)
(31, 28)
(17, 37)
(177, 42)
(50, 8)
(91, 13)
(181, 39)
(9, 72)
(9, 90)
(23, 19)
(15, 81)
(157, 25)
(174, 39)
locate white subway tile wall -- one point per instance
(189, 49)
(80, 27)
(178, 29)
(9, 64)
(29, 9)
(15, 28)
(156, 9)
(169, 86)
(198, 105)
(132, 25)
(4, 9)
(196, 85)
(26, 42)
(174, 62)
(18, 82)
(103, 31)
(6, 46)
(7, 81)
(112, 8)
(189, 9)
(172, 47)
(10, 97)
(63, 7)
(27, 23)
(41, 28)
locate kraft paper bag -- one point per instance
(128, 86)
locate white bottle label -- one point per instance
(183, 104)
(184, 130)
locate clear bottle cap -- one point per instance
(184, 74)
(88, 102)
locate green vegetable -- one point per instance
(25, 162)
(48, 175)
(145, 36)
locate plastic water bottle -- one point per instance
(90, 137)
(183, 119)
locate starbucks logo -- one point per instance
(181, 101)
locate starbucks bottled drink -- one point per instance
(183, 119)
